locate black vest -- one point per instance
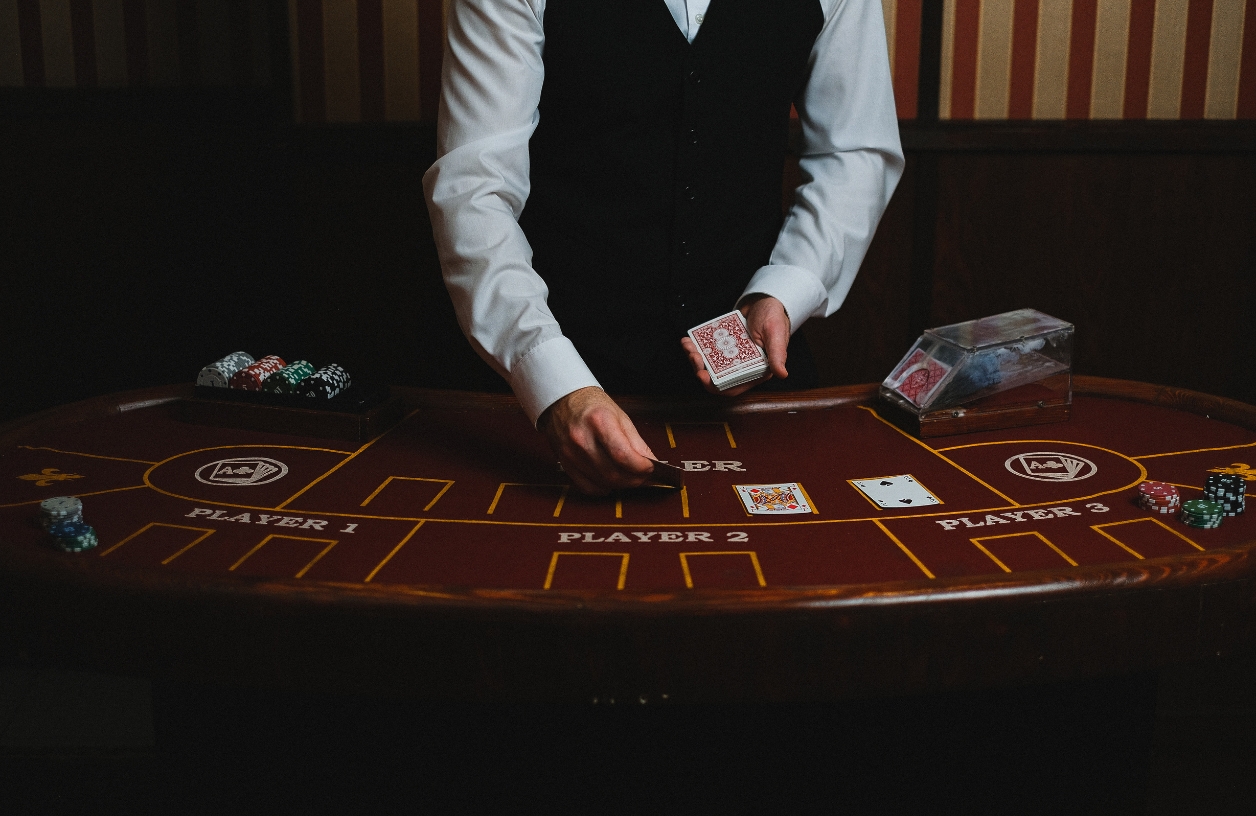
(656, 170)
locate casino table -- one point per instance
(449, 558)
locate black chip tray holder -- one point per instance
(359, 414)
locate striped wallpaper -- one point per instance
(902, 32)
(1098, 59)
(112, 43)
(366, 60)
(379, 60)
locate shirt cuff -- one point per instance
(548, 373)
(799, 291)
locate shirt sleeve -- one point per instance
(491, 87)
(851, 162)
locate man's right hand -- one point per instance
(596, 441)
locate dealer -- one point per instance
(609, 174)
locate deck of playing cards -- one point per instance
(730, 355)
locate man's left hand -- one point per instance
(769, 329)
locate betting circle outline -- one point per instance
(277, 472)
(1070, 475)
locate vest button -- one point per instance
(679, 300)
(695, 77)
(690, 193)
(693, 135)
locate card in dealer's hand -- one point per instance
(896, 491)
(730, 355)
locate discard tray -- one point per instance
(1041, 403)
(360, 413)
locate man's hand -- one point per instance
(769, 329)
(596, 441)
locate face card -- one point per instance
(725, 344)
(918, 377)
(896, 492)
(774, 499)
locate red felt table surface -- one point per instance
(457, 496)
(461, 504)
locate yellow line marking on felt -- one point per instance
(344, 462)
(903, 547)
(1197, 450)
(447, 482)
(147, 527)
(395, 550)
(1036, 534)
(671, 438)
(93, 493)
(553, 565)
(264, 541)
(326, 550)
(1142, 470)
(990, 555)
(501, 488)
(664, 525)
(1152, 519)
(754, 560)
(684, 501)
(938, 453)
(759, 523)
(88, 455)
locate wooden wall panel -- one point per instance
(1151, 256)
(863, 340)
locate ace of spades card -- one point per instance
(896, 492)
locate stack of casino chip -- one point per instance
(60, 510)
(1159, 497)
(284, 380)
(62, 518)
(251, 377)
(73, 536)
(1227, 489)
(218, 374)
(325, 383)
(1202, 513)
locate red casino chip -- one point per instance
(250, 378)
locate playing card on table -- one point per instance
(666, 475)
(896, 491)
(730, 355)
(917, 377)
(774, 499)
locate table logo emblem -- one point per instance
(47, 476)
(248, 470)
(1237, 469)
(1051, 467)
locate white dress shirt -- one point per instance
(491, 86)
